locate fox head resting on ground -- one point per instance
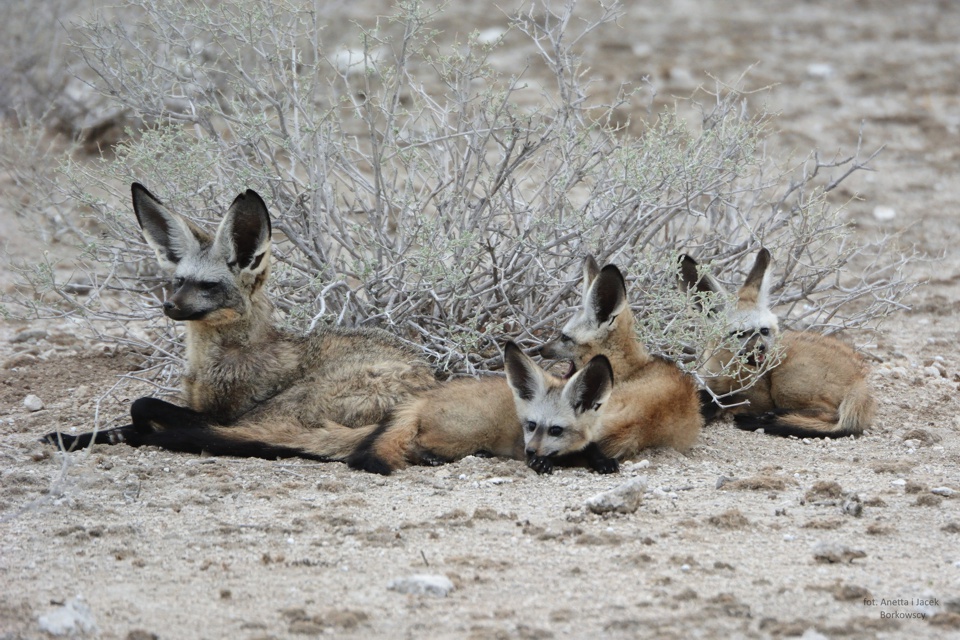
(752, 329)
(558, 416)
(215, 279)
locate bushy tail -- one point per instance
(389, 445)
(850, 419)
(161, 424)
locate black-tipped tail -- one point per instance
(800, 424)
(365, 457)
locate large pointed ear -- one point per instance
(607, 296)
(700, 283)
(243, 238)
(591, 386)
(590, 272)
(171, 236)
(756, 289)
(523, 375)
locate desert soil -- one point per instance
(745, 536)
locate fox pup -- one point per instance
(816, 387)
(513, 417)
(653, 403)
(250, 388)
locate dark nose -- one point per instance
(531, 452)
(761, 347)
(169, 306)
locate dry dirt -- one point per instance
(176, 546)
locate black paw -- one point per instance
(67, 442)
(540, 464)
(605, 465)
(754, 421)
(598, 461)
(428, 459)
(370, 464)
(63, 441)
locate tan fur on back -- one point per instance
(460, 418)
(820, 375)
(657, 407)
(653, 403)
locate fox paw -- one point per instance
(68, 442)
(431, 460)
(605, 465)
(63, 441)
(370, 464)
(540, 464)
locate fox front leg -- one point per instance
(68, 442)
(598, 461)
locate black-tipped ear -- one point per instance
(171, 236)
(701, 284)
(755, 277)
(608, 295)
(690, 278)
(523, 374)
(244, 233)
(591, 386)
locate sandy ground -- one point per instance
(746, 536)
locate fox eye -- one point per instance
(764, 331)
(207, 286)
(178, 282)
(531, 426)
(565, 338)
(555, 431)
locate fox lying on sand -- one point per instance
(510, 417)
(252, 389)
(817, 389)
(653, 403)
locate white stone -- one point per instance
(625, 498)
(33, 403)
(422, 584)
(491, 35)
(820, 70)
(71, 619)
(884, 214)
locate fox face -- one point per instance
(558, 416)
(752, 328)
(587, 331)
(213, 278)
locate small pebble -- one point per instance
(623, 499)
(29, 335)
(71, 619)
(835, 553)
(884, 214)
(32, 403)
(820, 70)
(422, 584)
(946, 492)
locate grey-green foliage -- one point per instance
(415, 187)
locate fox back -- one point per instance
(788, 383)
(653, 403)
